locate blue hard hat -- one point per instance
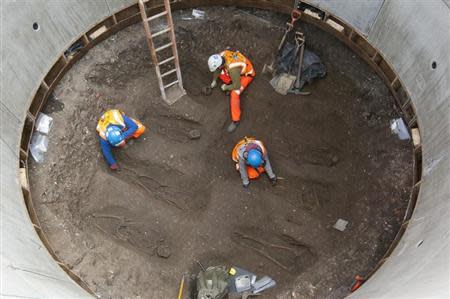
(114, 135)
(254, 158)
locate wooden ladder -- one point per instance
(173, 90)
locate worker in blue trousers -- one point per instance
(114, 129)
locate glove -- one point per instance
(224, 87)
(213, 84)
(246, 186)
(273, 181)
(114, 166)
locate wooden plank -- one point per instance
(23, 178)
(416, 137)
(23, 155)
(44, 85)
(98, 32)
(313, 14)
(127, 13)
(339, 28)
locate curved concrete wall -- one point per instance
(409, 34)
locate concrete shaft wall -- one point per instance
(411, 35)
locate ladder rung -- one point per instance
(163, 47)
(167, 60)
(161, 32)
(169, 72)
(170, 84)
(157, 15)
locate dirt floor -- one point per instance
(333, 151)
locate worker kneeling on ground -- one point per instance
(252, 159)
(114, 129)
(236, 72)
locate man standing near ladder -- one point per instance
(236, 72)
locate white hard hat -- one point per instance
(214, 62)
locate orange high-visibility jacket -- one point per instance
(245, 142)
(236, 59)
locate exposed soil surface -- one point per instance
(133, 233)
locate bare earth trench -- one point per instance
(333, 149)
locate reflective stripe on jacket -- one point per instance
(237, 59)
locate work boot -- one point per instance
(232, 126)
(273, 180)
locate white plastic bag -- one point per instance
(198, 14)
(38, 146)
(44, 123)
(398, 127)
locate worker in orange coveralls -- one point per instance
(114, 129)
(252, 159)
(236, 72)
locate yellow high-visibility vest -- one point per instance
(110, 117)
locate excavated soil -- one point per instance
(178, 202)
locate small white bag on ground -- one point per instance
(198, 14)
(44, 123)
(398, 127)
(38, 146)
